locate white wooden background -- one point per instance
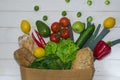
(13, 11)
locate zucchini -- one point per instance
(85, 36)
(90, 41)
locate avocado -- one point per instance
(43, 28)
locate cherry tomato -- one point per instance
(55, 37)
(65, 33)
(64, 21)
(55, 27)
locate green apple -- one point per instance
(78, 27)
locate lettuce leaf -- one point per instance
(65, 50)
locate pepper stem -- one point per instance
(112, 43)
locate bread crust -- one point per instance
(23, 56)
(84, 59)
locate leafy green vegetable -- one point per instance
(66, 50)
(58, 55)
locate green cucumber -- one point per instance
(85, 36)
(43, 28)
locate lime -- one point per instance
(25, 26)
(39, 52)
(78, 27)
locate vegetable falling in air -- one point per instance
(67, 1)
(107, 2)
(109, 22)
(45, 18)
(89, 19)
(25, 26)
(79, 14)
(64, 13)
(89, 2)
(36, 8)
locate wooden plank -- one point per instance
(13, 19)
(7, 50)
(9, 67)
(11, 35)
(10, 77)
(106, 77)
(107, 67)
(57, 5)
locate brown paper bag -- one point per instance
(38, 74)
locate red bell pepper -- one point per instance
(41, 42)
(101, 50)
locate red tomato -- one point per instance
(55, 37)
(55, 27)
(65, 33)
(64, 21)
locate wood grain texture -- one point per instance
(13, 11)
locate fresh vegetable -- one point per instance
(41, 42)
(36, 8)
(78, 27)
(101, 50)
(109, 22)
(57, 55)
(71, 32)
(90, 41)
(55, 37)
(89, 19)
(64, 21)
(45, 18)
(65, 50)
(55, 27)
(25, 26)
(43, 28)
(67, 1)
(107, 2)
(39, 52)
(89, 2)
(48, 62)
(79, 14)
(64, 13)
(85, 36)
(65, 33)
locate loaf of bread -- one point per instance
(26, 41)
(84, 59)
(24, 57)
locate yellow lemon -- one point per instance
(25, 26)
(109, 22)
(39, 52)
